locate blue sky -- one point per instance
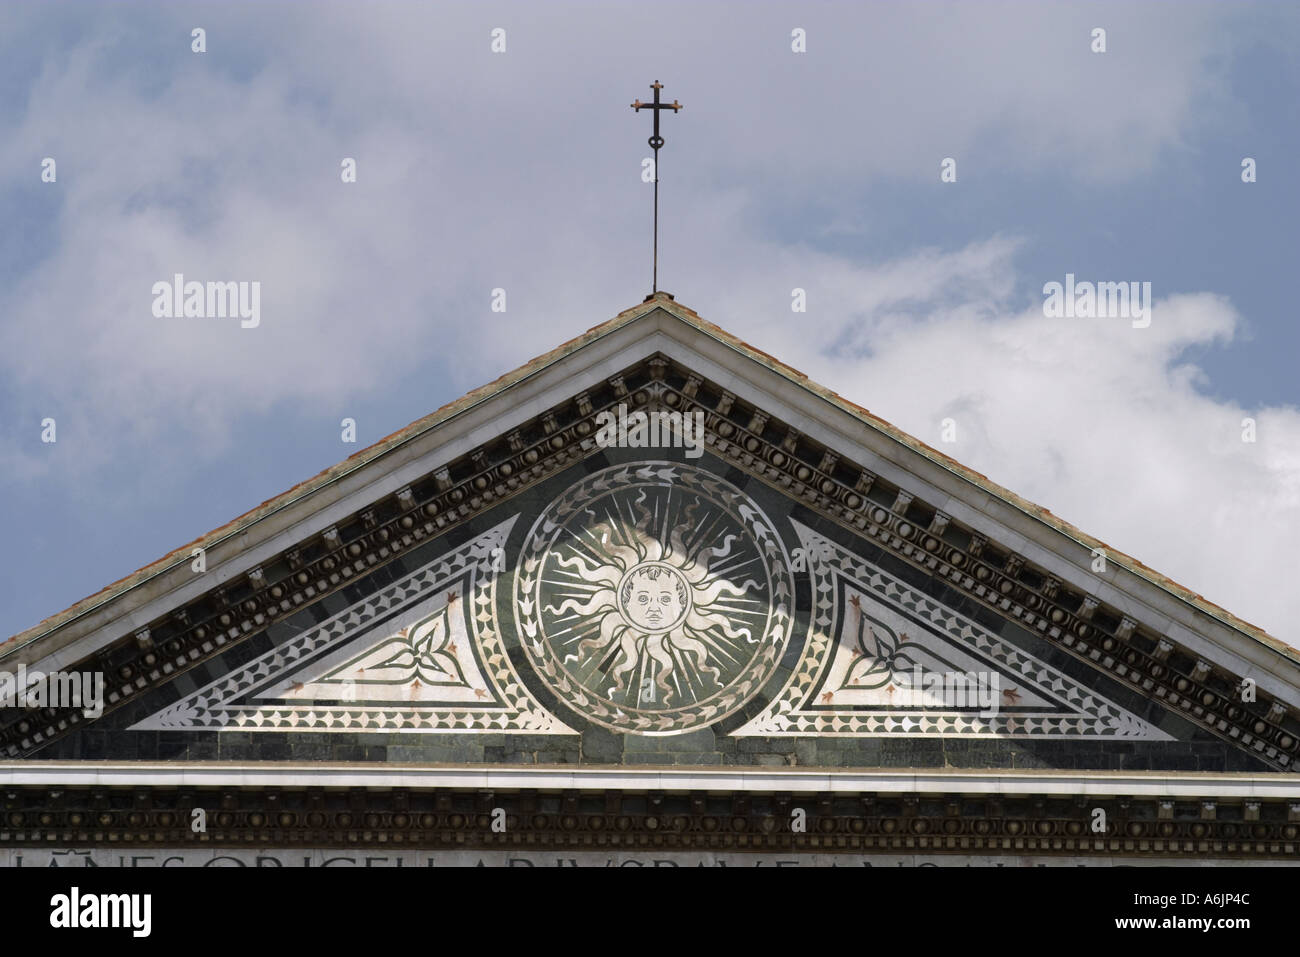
(521, 170)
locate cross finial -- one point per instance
(656, 143)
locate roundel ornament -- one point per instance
(654, 598)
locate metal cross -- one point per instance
(656, 141)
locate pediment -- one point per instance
(802, 585)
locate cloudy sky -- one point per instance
(522, 170)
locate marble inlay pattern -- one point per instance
(872, 637)
(654, 598)
(421, 655)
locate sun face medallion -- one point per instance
(654, 598)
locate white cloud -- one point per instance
(1100, 422)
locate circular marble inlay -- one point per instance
(654, 598)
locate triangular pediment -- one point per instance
(795, 583)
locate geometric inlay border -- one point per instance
(267, 693)
(804, 708)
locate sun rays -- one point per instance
(654, 599)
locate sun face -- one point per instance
(660, 620)
(657, 595)
(653, 597)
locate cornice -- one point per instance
(1190, 816)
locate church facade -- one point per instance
(653, 598)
